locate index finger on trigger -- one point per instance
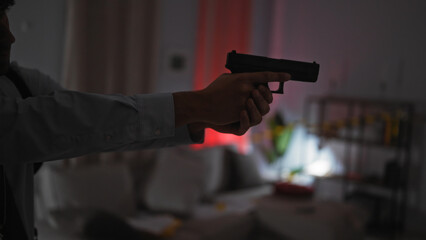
(265, 77)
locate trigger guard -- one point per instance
(280, 89)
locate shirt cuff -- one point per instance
(157, 117)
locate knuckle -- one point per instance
(257, 121)
(250, 103)
(263, 88)
(265, 93)
(263, 106)
(266, 110)
(242, 132)
(256, 94)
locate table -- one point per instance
(307, 218)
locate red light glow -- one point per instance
(223, 26)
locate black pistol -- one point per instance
(300, 71)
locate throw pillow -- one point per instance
(104, 187)
(244, 170)
(177, 182)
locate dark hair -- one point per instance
(6, 4)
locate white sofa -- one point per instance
(177, 193)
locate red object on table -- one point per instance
(290, 189)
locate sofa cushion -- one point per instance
(216, 170)
(184, 176)
(245, 194)
(177, 182)
(244, 170)
(142, 169)
(105, 187)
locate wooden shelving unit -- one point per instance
(361, 125)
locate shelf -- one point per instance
(360, 101)
(358, 141)
(358, 125)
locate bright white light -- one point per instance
(323, 165)
(319, 168)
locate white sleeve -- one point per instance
(67, 124)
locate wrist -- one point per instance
(196, 132)
(189, 108)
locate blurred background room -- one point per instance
(342, 158)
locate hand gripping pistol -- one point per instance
(300, 71)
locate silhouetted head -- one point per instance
(6, 37)
(6, 4)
